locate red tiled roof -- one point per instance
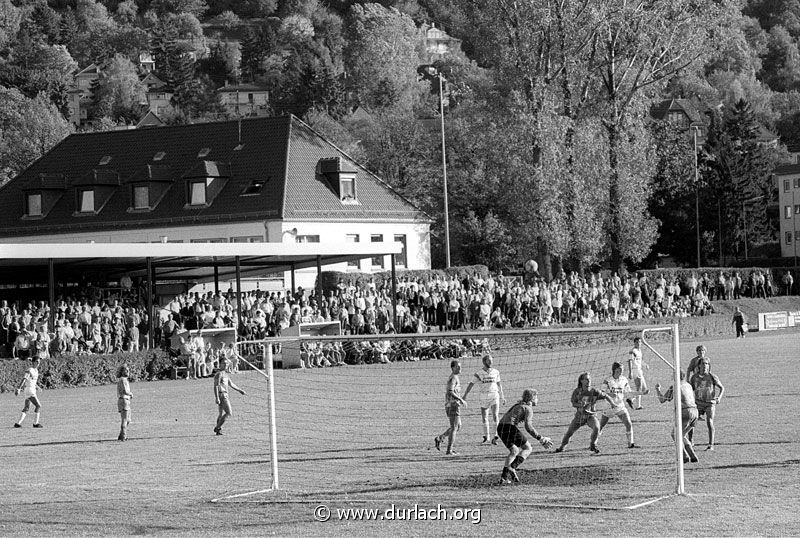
(283, 151)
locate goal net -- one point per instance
(365, 430)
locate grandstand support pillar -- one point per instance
(216, 279)
(51, 295)
(151, 274)
(293, 277)
(318, 287)
(394, 296)
(238, 298)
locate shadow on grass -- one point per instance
(96, 441)
(761, 465)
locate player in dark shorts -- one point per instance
(519, 448)
(584, 400)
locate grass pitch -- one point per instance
(73, 478)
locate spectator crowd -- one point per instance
(91, 324)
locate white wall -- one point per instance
(417, 239)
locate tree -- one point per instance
(781, 67)
(10, 18)
(192, 7)
(28, 129)
(34, 67)
(382, 56)
(119, 94)
(257, 44)
(222, 63)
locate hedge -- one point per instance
(87, 370)
(683, 273)
(328, 280)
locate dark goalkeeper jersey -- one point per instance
(520, 414)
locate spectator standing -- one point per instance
(739, 320)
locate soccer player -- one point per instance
(221, 383)
(688, 415)
(28, 384)
(635, 372)
(491, 394)
(618, 388)
(452, 408)
(584, 400)
(519, 448)
(705, 385)
(123, 402)
(694, 364)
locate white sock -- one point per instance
(486, 429)
(630, 437)
(21, 418)
(37, 418)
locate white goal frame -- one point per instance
(266, 344)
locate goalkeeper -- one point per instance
(508, 429)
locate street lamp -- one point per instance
(744, 217)
(695, 129)
(431, 70)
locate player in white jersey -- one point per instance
(635, 373)
(618, 388)
(28, 385)
(491, 394)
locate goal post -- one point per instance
(365, 430)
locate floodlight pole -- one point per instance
(238, 299)
(696, 193)
(680, 487)
(51, 293)
(151, 273)
(444, 178)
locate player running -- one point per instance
(584, 400)
(688, 415)
(635, 372)
(705, 385)
(618, 388)
(221, 383)
(28, 384)
(123, 402)
(491, 394)
(519, 448)
(452, 407)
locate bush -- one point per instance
(328, 280)
(88, 370)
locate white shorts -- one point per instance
(489, 400)
(615, 412)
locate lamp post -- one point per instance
(695, 128)
(794, 230)
(744, 218)
(431, 70)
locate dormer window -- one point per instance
(197, 193)
(141, 197)
(33, 205)
(158, 156)
(347, 188)
(203, 152)
(86, 201)
(105, 160)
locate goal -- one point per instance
(365, 430)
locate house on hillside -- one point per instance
(438, 43)
(253, 180)
(159, 94)
(245, 99)
(787, 179)
(684, 114)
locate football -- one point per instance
(531, 266)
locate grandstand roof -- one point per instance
(175, 261)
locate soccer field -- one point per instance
(361, 437)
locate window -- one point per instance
(307, 239)
(401, 259)
(377, 261)
(141, 197)
(203, 152)
(347, 188)
(352, 238)
(786, 185)
(87, 201)
(158, 156)
(787, 212)
(105, 160)
(797, 183)
(797, 209)
(34, 205)
(211, 240)
(788, 238)
(250, 98)
(197, 193)
(255, 187)
(248, 239)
